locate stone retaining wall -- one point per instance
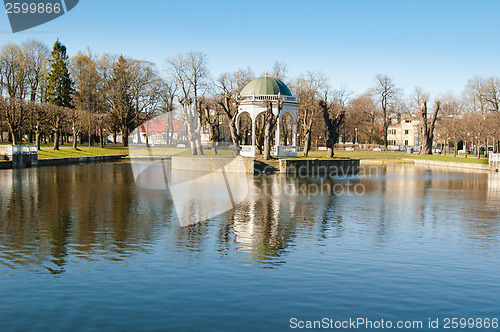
(67, 161)
(312, 167)
(206, 164)
(482, 167)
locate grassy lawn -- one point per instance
(470, 159)
(67, 151)
(396, 156)
(64, 152)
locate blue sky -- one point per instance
(437, 45)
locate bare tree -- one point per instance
(493, 129)
(269, 124)
(87, 96)
(449, 124)
(386, 90)
(491, 93)
(36, 57)
(334, 115)
(279, 71)
(191, 74)
(167, 97)
(229, 85)
(119, 96)
(474, 96)
(308, 89)
(13, 84)
(132, 92)
(210, 117)
(361, 117)
(428, 126)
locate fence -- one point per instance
(20, 155)
(494, 158)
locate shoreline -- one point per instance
(435, 163)
(378, 161)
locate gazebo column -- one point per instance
(254, 146)
(294, 137)
(277, 134)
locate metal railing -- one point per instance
(494, 158)
(291, 99)
(248, 151)
(10, 150)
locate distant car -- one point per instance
(436, 151)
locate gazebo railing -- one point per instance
(291, 99)
(248, 151)
(10, 150)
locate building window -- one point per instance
(392, 132)
(407, 132)
(408, 121)
(406, 142)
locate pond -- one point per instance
(83, 248)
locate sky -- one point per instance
(437, 45)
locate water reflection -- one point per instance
(54, 216)
(51, 214)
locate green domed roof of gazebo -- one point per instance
(265, 85)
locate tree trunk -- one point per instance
(213, 138)
(14, 137)
(75, 138)
(307, 143)
(124, 136)
(386, 127)
(332, 126)
(231, 115)
(234, 136)
(455, 147)
(37, 140)
(330, 143)
(269, 123)
(56, 139)
(428, 129)
(101, 138)
(478, 149)
(426, 146)
(267, 142)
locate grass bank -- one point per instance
(46, 153)
(398, 156)
(66, 151)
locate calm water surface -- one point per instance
(82, 248)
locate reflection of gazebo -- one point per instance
(252, 106)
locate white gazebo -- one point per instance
(252, 99)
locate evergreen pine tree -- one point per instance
(59, 87)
